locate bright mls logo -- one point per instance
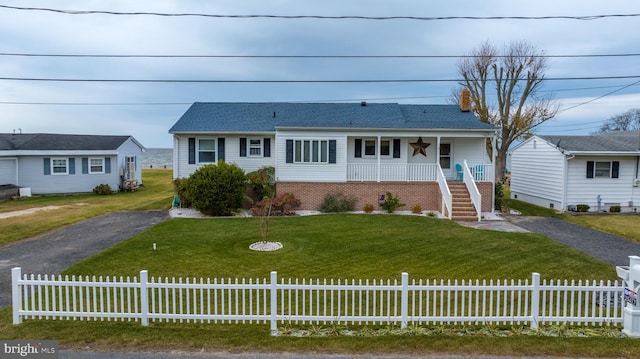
(29, 349)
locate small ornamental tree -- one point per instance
(217, 190)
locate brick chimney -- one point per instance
(465, 100)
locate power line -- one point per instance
(43, 79)
(319, 17)
(297, 56)
(600, 97)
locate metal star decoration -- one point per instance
(420, 147)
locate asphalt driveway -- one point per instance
(606, 247)
(55, 251)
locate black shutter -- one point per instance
(589, 169)
(85, 165)
(332, 151)
(615, 169)
(289, 151)
(192, 150)
(243, 147)
(72, 166)
(221, 149)
(358, 148)
(396, 148)
(266, 142)
(107, 165)
(47, 166)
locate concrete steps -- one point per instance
(462, 207)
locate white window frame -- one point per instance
(602, 173)
(214, 150)
(53, 166)
(91, 171)
(311, 151)
(254, 144)
(364, 150)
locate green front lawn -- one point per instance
(326, 246)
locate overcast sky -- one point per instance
(147, 110)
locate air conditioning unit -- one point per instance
(636, 182)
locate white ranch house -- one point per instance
(362, 149)
(561, 172)
(49, 163)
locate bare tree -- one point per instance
(513, 79)
(629, 120)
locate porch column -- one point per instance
(378, 153)
(438, 150)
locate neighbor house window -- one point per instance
(59, 166)
(96, 165)
(603, 169)
(311, 151)
(445, 155)
(369, 147)
(206, 150)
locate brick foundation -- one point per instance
(425, 194)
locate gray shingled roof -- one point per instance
(619, 141)
(59, 142)
(266, 117)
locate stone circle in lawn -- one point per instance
(265, 246)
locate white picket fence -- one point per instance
(317, 301)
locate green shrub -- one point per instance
(102, 189)
(180, 189)
(614, 209)
(390, 203)
(337, 202)
(217, 190)
(582, 207)
(417, 209)
(368, 208)
(263, 182)
(281, 205)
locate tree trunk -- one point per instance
(501, 164)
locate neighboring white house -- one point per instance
(363, 149)
(61, 163)
(563, 171)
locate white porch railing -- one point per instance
(481, 172)
(405, 172)
(409, 172)
(317, 301)
(474, 193)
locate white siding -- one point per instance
(182, 168)
(611, 190)
(129, 149)
(319, 172)
(537, 172)
(8, 174)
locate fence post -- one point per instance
(274, 303)
(16, 294)
(144, 298)
(535, 300)
(404, 306)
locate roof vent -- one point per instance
(363, 103)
